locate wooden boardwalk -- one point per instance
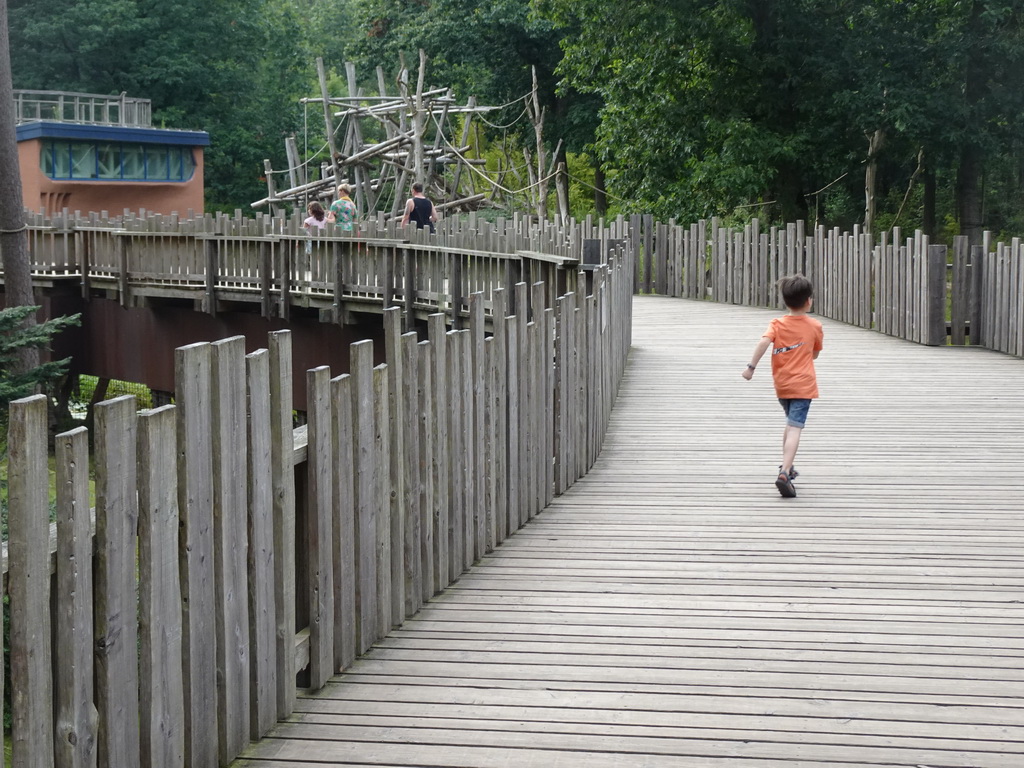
(672, 610)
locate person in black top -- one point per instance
(419, 209)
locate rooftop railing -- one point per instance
(83, 108)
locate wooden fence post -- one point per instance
(261, 561)
(397, 425)
(283, 498)
(230, 531)
(29, 588)
(365, 502)
(428, 493)
(76, 711)
(192, 377)
(439, 378)
(162, 699)
(116, 615)
(320, 538)
(344, 525)
(382, 499)
(935, 311)
(407, 406)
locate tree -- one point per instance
(485, 48)
(15, 337)
(13, 237)
(232, 68)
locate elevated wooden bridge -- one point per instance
(468, 557)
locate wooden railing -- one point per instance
(271, 261)
(183, 627)
(904, 287)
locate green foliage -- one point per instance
(691, 108)
(233, 68)
(14, 336)
(708, 106)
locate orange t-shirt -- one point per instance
(795, 339)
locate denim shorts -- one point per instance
(796, 411)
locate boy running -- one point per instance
(796, 340)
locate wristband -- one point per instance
(751, 367)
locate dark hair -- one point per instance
(796, 290)
(417, 187)
(317, 210)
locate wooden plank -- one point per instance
(397, 500)
(115, 609)
(512, 367)
(75, 740)
(412, 535)
(162, 696)
(385, 608)
(344, 529)
(261, 561)
(230, 531)
(192, 377)
(491, 441)
(547, 415)
(427, 410)
(467, 461)
(499, 407)
(440, 463)
(366, 494)
(283, 499)
(319, 527)
(456, 471)
(32, 734)
(481, 512)
(633, 620)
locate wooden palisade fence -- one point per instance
(404, 475)
(273, 263)
(904, 287)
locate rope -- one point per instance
(507, 125)
(487, 178)
(22, 228)
(597, 189)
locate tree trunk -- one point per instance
(968, 194)
(928, 204)
(600, 197)
(968, 172)
(876, 140)
(789, 192)
(13, 238)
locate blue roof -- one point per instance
(48, 129)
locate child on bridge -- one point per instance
(796, 339)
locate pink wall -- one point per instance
(42, 193)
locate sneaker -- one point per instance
(793, 474)
(785, 485)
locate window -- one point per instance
(111, 161)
